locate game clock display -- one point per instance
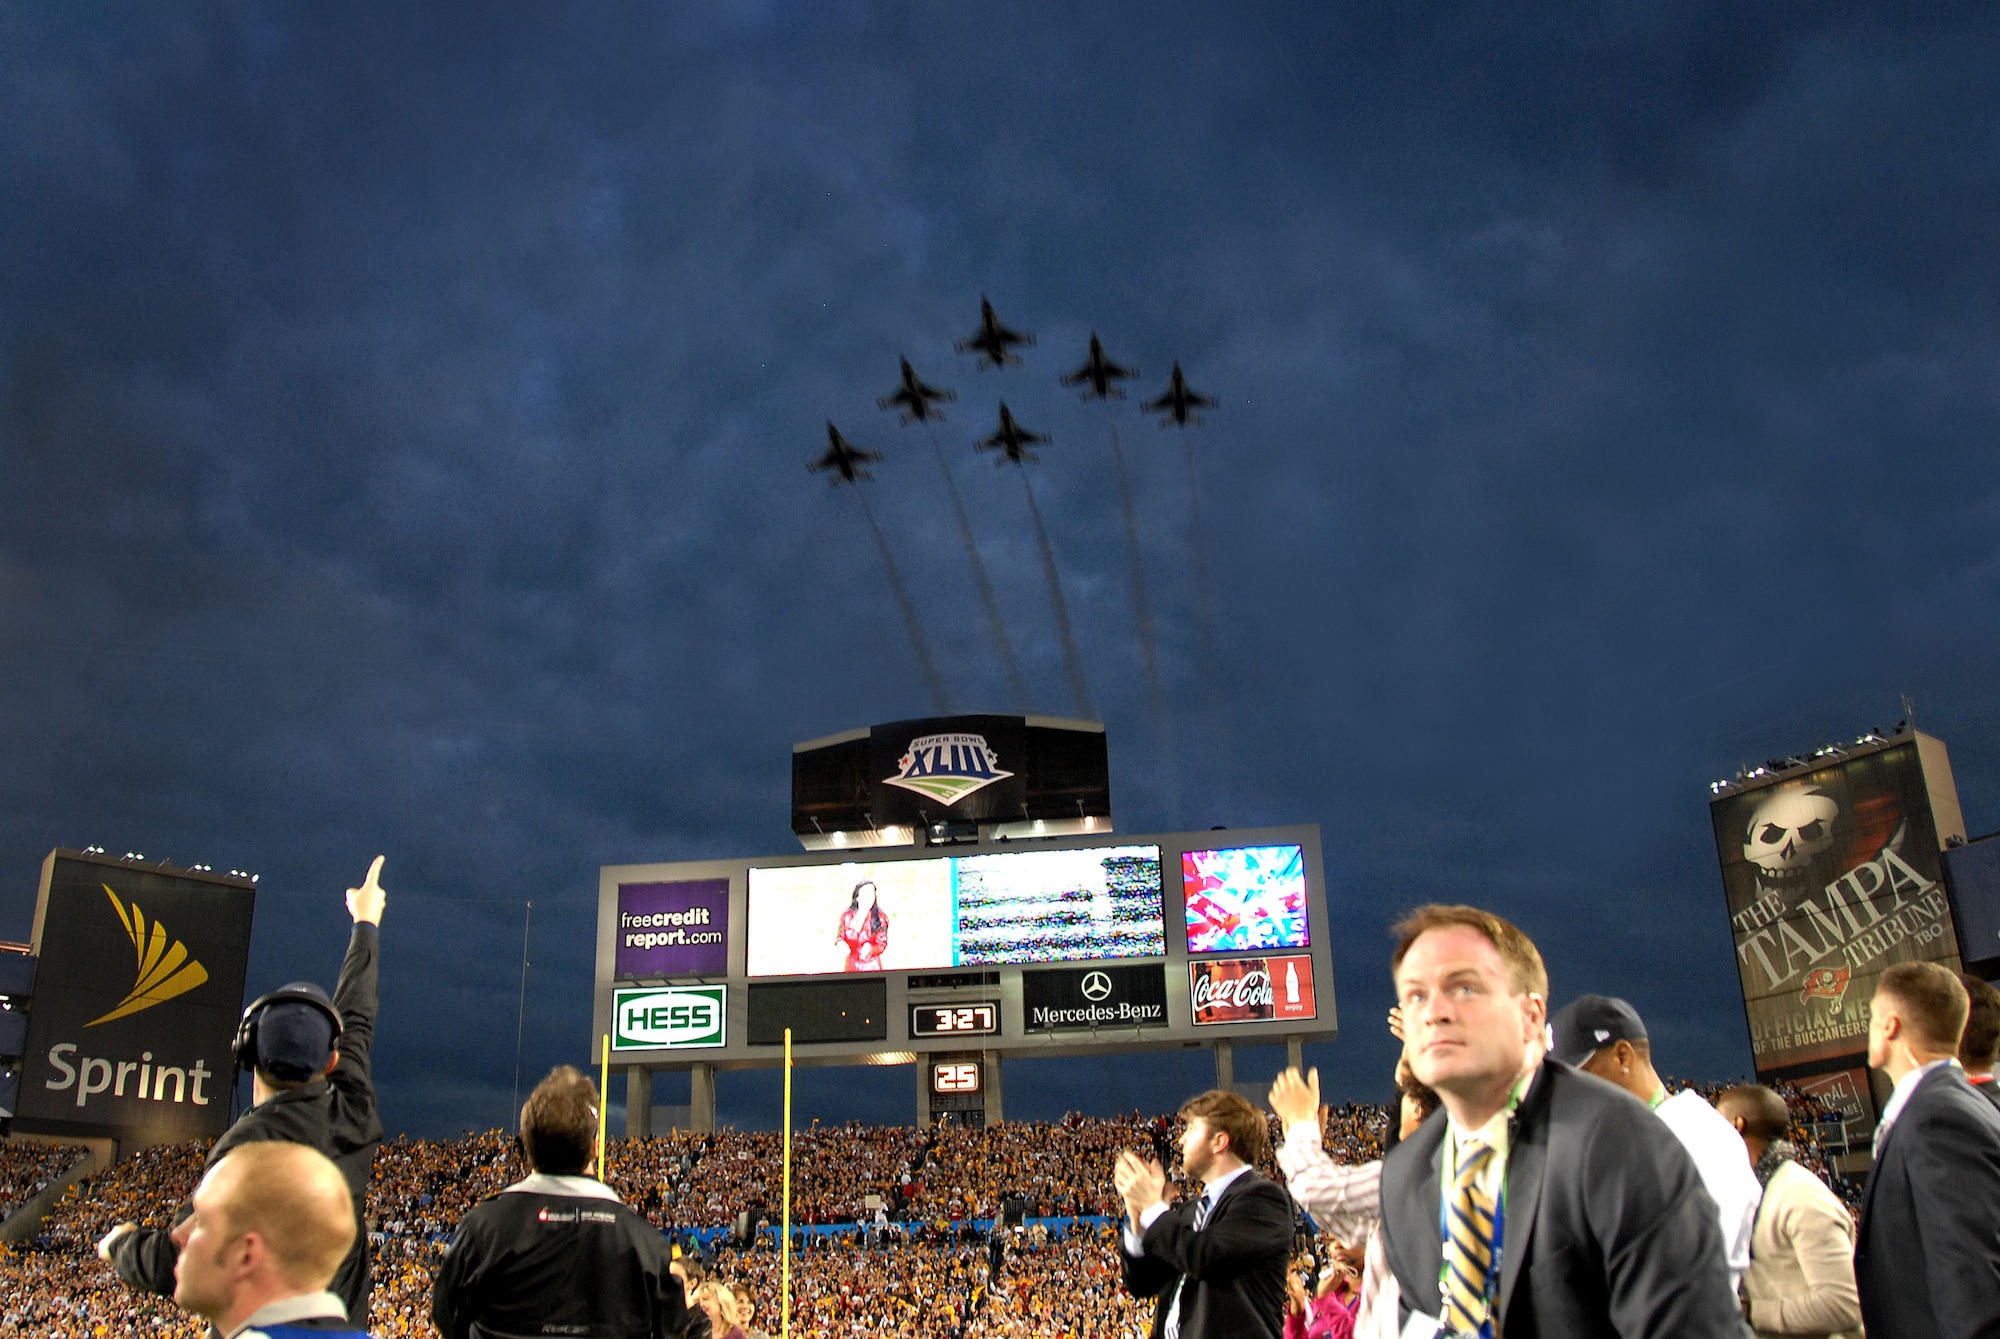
(955, 1020)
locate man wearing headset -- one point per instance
(310, 1084)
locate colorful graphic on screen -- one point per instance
(1245, 897)
(897, 915)
(882, 916)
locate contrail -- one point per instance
(925, 662)
(1204, 628)
(1142, 606)
(1002, 644)
(1079, 689)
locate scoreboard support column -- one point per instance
(701, 1098)
(1295, 1053)
(1225, 1066)
(638, 1102)
(989, 1064)
(924, 1093)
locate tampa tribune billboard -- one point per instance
(137, 996)
(1832, 875)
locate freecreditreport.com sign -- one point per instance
(668, 1018)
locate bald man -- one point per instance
(271, 1223)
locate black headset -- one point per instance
(244, 1049)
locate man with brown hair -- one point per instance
(1801, 1275)
(271, 1223)
(557, 1253)
(1216, 1263)
(1546, 1204)
(1927, 1260)
(1979, 1044)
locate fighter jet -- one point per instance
(1012, 439)
(917, 401)
(845, 458)
(993, 342)
(1100, 372)
(1179, 403)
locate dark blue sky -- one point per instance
(404, 412)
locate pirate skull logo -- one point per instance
(1792, 828)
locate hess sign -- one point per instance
(955, 1020)
(668, 1017)
(956, 1077)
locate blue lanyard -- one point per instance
(1491, 1287)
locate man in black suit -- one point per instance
(1215, 1262)
(1542, 1203)
(1927, 1260)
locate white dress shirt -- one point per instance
(306, 1306)
(1726, 1173)
(1900, 1098)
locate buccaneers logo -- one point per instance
(1826, 983)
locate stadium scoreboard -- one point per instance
(1003, 948)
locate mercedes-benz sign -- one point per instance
(1094, 999)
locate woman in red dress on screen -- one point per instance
(865, 934)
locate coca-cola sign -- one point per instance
(1252, 990)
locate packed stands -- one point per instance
(28, 1168)
(928, 1275)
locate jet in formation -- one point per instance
(1179, 403)
(1101, 374)
(847, 460)
(918, 402)
(993, 342)
(1012, 439)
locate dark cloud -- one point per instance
(405, 415)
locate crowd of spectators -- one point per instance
(930, 1275)
(28, 1168)
(56, 1287)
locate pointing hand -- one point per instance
(365, 903)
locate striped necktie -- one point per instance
(1172, 1329)
(1468, 1252)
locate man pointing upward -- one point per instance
(310, 1084)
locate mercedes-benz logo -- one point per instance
(1096, 985)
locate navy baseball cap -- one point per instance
(295, 1036)
(1589, 1023)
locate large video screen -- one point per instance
(1245, 897)
(1060, 906)
(1005, 907)
(879, 916)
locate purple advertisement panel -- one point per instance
(673, 929)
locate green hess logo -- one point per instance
(668, 1017)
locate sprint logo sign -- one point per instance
(947, 768)
(162, 972)
(668, 1017)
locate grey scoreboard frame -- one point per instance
(1015, 1040)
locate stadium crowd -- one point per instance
(929, 1276)
(27, 1169)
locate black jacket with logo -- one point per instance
(335, 1115)
(557, 1255)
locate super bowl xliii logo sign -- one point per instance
(947, 768)
(1834, 892)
